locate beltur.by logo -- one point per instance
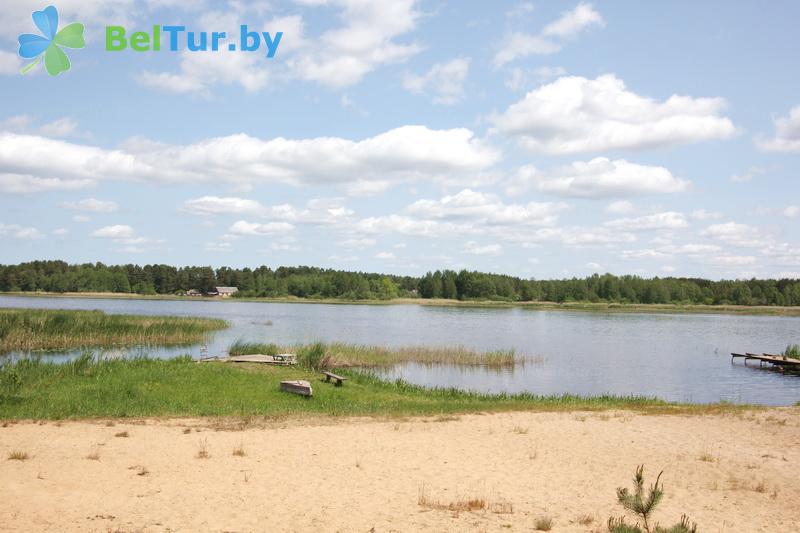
(177, 38)
(48, 45)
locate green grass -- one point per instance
(40, 329)
(90, 388)
(342, 355)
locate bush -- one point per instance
(643, 505)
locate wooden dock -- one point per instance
(284, 359)
(784, 363)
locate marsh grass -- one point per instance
(343, 355)
(41, 329)
(239, 450)
(141, 387)
(468, 504)
(543, 523)
(202, 450)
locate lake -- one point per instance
(677, 357)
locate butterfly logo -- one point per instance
(49, 44)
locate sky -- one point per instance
(538, 139)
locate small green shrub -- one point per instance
(643, 505)
(10, 380)
(312, 356)
(793, 351)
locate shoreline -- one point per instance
(597, 307)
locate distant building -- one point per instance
(227, 292)
(193, 292)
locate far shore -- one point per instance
(602, 307)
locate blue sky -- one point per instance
(540, 139)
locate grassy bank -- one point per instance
(87, 388)
(341, 355)
(602, 307)
(39, 329)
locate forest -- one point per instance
(321, 283)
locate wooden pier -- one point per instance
(283, 359)
(784, 363)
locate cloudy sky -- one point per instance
(540, 139)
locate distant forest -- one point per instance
(310, 282)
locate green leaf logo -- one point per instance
(49, 44)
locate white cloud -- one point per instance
(703, 214)
(620, 207)
(20, 232)
(736, 234)
(342, 56)
(215, 205)
(792, 211)
(657, 221)
(599, 178)
(63, 127)
(60, 232)
(218, 247)
(573, 22)
(787, 134)
(444, 81)
(10, 63)
(520, 78)
(574, 114)
(410, 153)
(358, 243)
(92, 205)
(242, 227)
(516, 45)
(81, 219)
(118, 231)
(749, 175)
(484, 208)
(594, 266)
(386, 256)
(471, 247)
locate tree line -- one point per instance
(312, 282)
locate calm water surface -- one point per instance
(675, 357)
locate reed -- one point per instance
(344, 355)
(46, 329)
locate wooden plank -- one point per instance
(300, 386)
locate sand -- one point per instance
(730, 473)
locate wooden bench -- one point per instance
(330, 375)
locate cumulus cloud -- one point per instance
(787, 134)
(573, 22)
(20, 232)
(485, 208)
(472, 247)
(792, 211)
(736, 234)
(242, 227)
(598, 178)
(444, 81)
(520, 78)
(575, 114)
(118, 231)
(30, 163)
(215, 205)
(92, 205)
(63, 127)
(516, 45)
(748, 175)
(656, 221)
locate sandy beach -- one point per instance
(728, 472)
